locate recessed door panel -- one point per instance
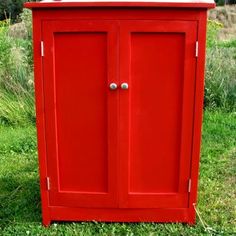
(158, 62)
(80, 62)
(81, 111)
(156, 105)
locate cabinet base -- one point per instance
(183, 215)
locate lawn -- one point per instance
(20, 212)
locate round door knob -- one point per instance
(113, 86)
(124, 86)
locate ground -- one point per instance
(20, 212)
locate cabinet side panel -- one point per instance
(40, 115)
(198, 112)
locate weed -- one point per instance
(213, 28)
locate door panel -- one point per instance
(155, 102)
(81, 112)
(158, 61)
(85, 114)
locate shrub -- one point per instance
(11, 8)
(223, 2)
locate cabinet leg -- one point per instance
(192, 217)
(46, 221)
(191, 222)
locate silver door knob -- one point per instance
(113, 86)
(124, 86)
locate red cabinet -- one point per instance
(119, 90)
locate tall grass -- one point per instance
(16, 77)
(16, 72)
(220, 79)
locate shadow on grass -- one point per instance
(20, 197)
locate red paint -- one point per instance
(156, 114)
(119, 155)
(90, 3)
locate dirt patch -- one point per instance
(227, 16)
(18, 30)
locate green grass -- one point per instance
(227, 44)
(16, 73)
(19, 188)
(17, 83)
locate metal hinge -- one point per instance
(42, 49)
(48, 183)
(196, 49)
(189, 185)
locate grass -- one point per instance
(17, 83)
(16, 73)
(19, 187)
(220, 79)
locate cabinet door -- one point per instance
(157, 60)
(81, 112)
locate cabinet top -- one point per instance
(122, 3)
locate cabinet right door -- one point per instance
(157, 60)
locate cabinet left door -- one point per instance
(81, 112)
